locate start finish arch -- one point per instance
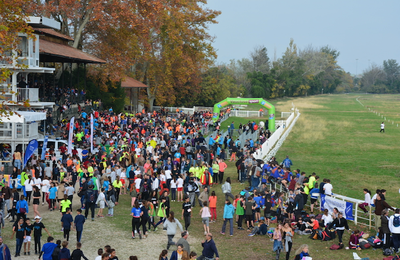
(247, 101)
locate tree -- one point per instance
(372, 76)
(216, 85)
(178, 52)
(12, 22)
(260, 59)
(392, 71)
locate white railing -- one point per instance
(28, 93)
(245, 113)
(267, 146)
(272, 152)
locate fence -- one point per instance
(267, 146)
(290, 122)
(242, 113)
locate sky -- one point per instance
(364, 31)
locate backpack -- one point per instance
(387, 252)
(91, 196)
(396, 221)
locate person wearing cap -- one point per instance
(37, 233)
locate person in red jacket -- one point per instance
(206, 179)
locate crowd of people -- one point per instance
(157, 159)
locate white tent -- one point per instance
(24, 117)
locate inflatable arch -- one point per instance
(247, 101)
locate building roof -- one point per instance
(55, 52)
(54, 33)
(132, 83)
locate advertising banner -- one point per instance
(328, 202)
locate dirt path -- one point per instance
(97, 234)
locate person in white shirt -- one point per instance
(367, 200)
(326, 218)
(45, 188)
(179, 186)
(137, 183)
(28, 188)
(394, 226)
(173, 188)
(328, 187)
(99, 253)
(382, 127)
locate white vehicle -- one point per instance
(57, 145)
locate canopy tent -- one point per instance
(24, 117)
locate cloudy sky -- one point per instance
(360, 29)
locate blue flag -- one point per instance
(30, 149)
(46, 138)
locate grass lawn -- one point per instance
(335, 137)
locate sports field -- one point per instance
(335, 137)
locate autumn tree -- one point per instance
(12, 22)
(179, 51)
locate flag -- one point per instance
(71, 135)
(91, 133)
(43, 157)
(30, 149)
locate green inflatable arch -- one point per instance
(247, 101)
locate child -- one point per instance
(261, 229)
(213, 206)
(20, 230)
(205, 215)
(237, 197)
(27, 236)
(78, 222)
(37, 233)
(249, 206)
(101, 200)
(258, 202)
(161, 212)
(66, 223)
(354, 240)
(99, 254)
(65, 204)
(267, 210)
(77, 254)
(64, 253)
(240, 212)
(52, 196)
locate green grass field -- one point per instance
(335, 137)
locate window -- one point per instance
(23, 46)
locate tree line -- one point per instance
(298, 72)
(166, 45)
(380, 79)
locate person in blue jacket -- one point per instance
(22, 208)
(48, 249)
(229, 211)
(78, 222)
(6, 254)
